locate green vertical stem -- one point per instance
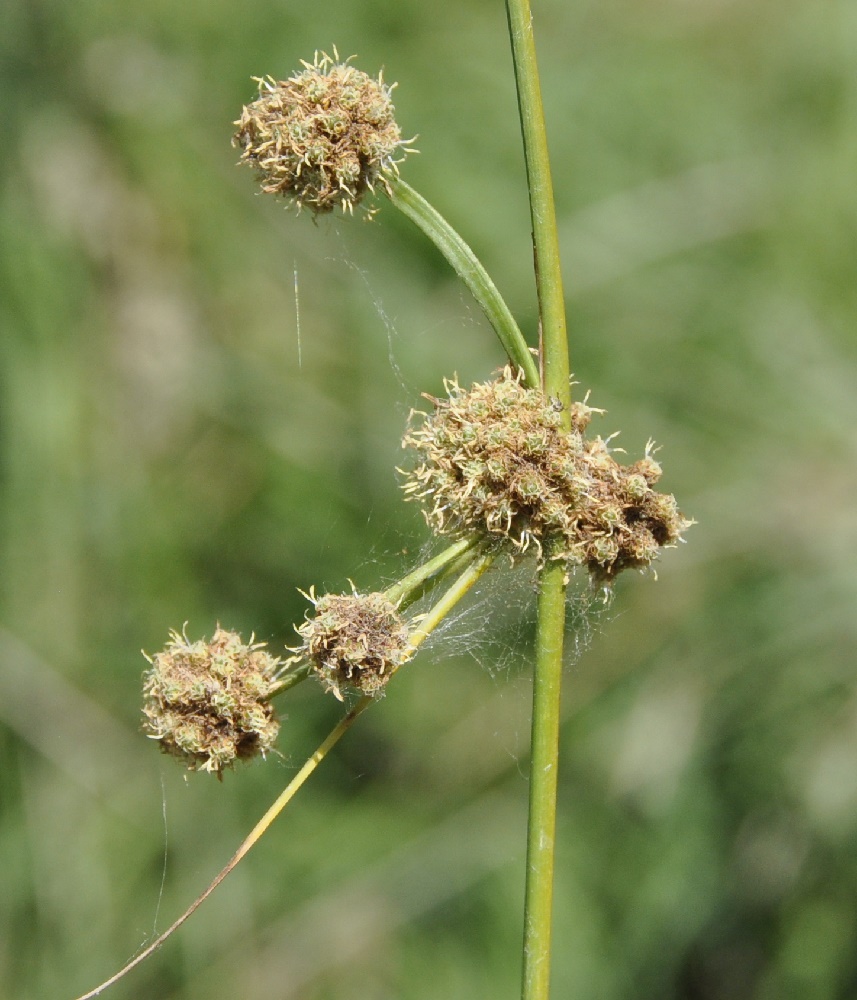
(550, 629)
(544, 752)
(555, 366)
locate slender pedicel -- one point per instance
(327, 137)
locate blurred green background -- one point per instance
(175, 446)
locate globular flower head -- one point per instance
(323, 137)
(353, 641)
(495, 459)
(205, 702)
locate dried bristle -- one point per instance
(205, 701)
(354, 641)
(495, 459)
(324, 137)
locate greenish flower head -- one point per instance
(205, 702)
(322, 138)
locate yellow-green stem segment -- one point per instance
(281, 802)
(451, 597)
(550, 628)
(411, 587)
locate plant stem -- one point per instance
(450, 598)
(293, 676)
(544, 751)
(554, 341)
(412, 586)
(550, 628)
(467, 266)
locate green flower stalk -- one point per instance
(468, 267)
(454, 559)
(326, 137)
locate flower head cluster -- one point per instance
(323, 137)
(206, 701)
(495, 459)
(354, 641)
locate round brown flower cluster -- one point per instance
(354, 641)
(323, 137)
(495, 459)
(206, 701)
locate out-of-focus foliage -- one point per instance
(175, 446)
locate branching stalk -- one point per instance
(294, 675)
(413, 585)
(426, 626)
(453, 595)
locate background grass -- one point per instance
(172, 451)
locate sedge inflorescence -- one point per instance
(495, 459)
(324, 137)
(353, 641)
(206, 701)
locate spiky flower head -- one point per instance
(205, 702)
(323, 137)
(496, 460)
(353, 641)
